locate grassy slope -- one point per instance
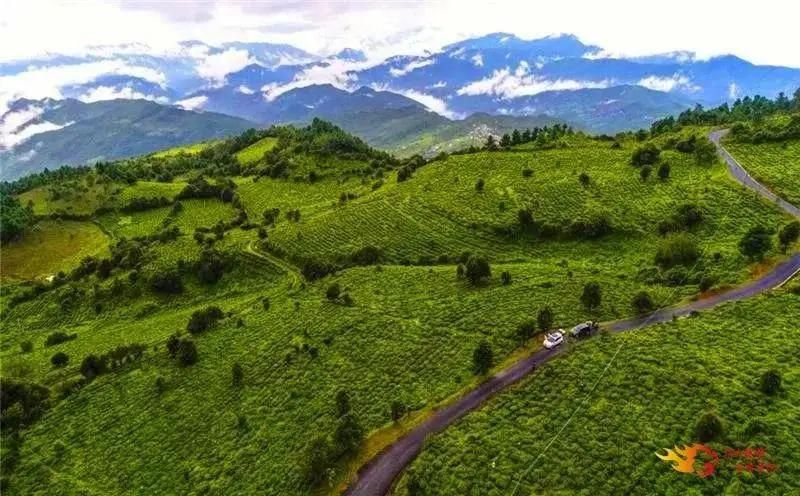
(661, 381)
(775, 164)
(256, 151)
(49, 247)
(186, 149)
(409, 336)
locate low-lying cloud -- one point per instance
(17, 127)
(410, 67)
(215, 67)
(100, 93)
(193, 103)
(505, 84)
(667, 84)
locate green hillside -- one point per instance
(301, 263)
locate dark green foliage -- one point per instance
(265, 303)
(210, 266)
(333, 291)
(237, 375)
(173, 345)
(404, 173)
(316, 269)
(645, 155)
(687, 145)
(477, 269)
(663, 171)
(527, 172)
(709, 427)
(526, 330)
(60, 359)
(505, 278)
(688, 216)
(342, 403)
(200, 188)
(642, 303)
(584, 179)
(398, 409)
(707, 282)
(756, 242)
(366, 255)
(677, 249)
(270, 215)
(168, 282)
(525, 218)
(789, 234)
(59, 337)
(645, 172)
(479, 184)
(21, 403)
(705, 152)
(318, 459)
(147, 203)
(26, 346)
(482, 358)
(14, 218)
(460, 271)
(770, 382)
(592, 226)
(187, 352)
(202, 320)
(92, 366)
(592, 296)
(348, 435)
(545, 319)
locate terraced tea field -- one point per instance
(660, 381)
(256, 151)
(777, 165)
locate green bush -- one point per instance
(645, 155)
(709, 427)
(477, 269)
(756, 242)
(482, 358)
(202, 320)
(60, 359)
(677, 249)
(770, 382)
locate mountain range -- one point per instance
(404, 103)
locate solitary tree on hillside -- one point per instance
(756, 242)
(545, 319)
(789, 234)
(477, 269)
(645, 172)
(482, 358)
(642, 303)
(479, 184)
(592, 296)
(584, 179)
(704, 152)
(664, 171)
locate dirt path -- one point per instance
(377, 476)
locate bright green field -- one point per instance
(777, 165)
(49, 247)
(256, 151)
(82, 203)
(649, 399)
(186, 149)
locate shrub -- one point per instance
(770, 382)
(644, 172)
(404, 173)
(482, 358)
(211, 266)
(21, 403)
(348, 435)
(707, 282)
(202, 320)
(709, 427)
(168, 282)
(460, 271)
(342, 403)
(92, 366)
(173, 345)
(664, 171)
(526, 330)
(645, 155)
(704, 152)
(479, 184)
(525, 218)
(756, 242)
(315, 269)
(545, 319)
(592, 296)
(677, 249)
(686, 145)
(237, 375)
(366, 255)
(333, 291)
(187, 352)
(58, 337)
(60, 359)
(789, 234)
(477, 269)
(593, 226)
(584, 179)
(527, 172)
(505, 277)
(26, 346)
(642, 303)
(318, 459)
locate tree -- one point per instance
(211, 266)
(505, 277)
(664, 171)
(318, 459)
(526, 330)
(14, 218)
(704, 152)
(333, 292)
(525, 218)
(545, 319)
(187, 352)
(92, 366)
(505, 141)
(479, 184)
(644, 172)
(237, 375)
(397, 410)
(168, 282)
(756, 242)
(709, 427)
(173, 345)
(642, 303)
(592, 296)
(677, 249)
(645, 155)
(60, 359)
(789, 234)
(584, 179)
(202, 320)
(491, 144)
(26, 346)
(482, 358)
(348, 435)
(478, 269)
(770, 382)
(342, 403)
(460, 271)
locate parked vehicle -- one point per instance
(584, 329)
(554, 339)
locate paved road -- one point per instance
(377, 476)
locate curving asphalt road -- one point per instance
(376, 477)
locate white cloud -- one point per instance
(245, 90)
(215, 67)
(506, 84)
(16, 127)
(667, 84)
(439, 84)
(336, 72)
(193, 103)
(100, 93)
(434, 104)
(410, 67)
(46, 82)
(477, 59)
(733, 91)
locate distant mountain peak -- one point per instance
(350, 54)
